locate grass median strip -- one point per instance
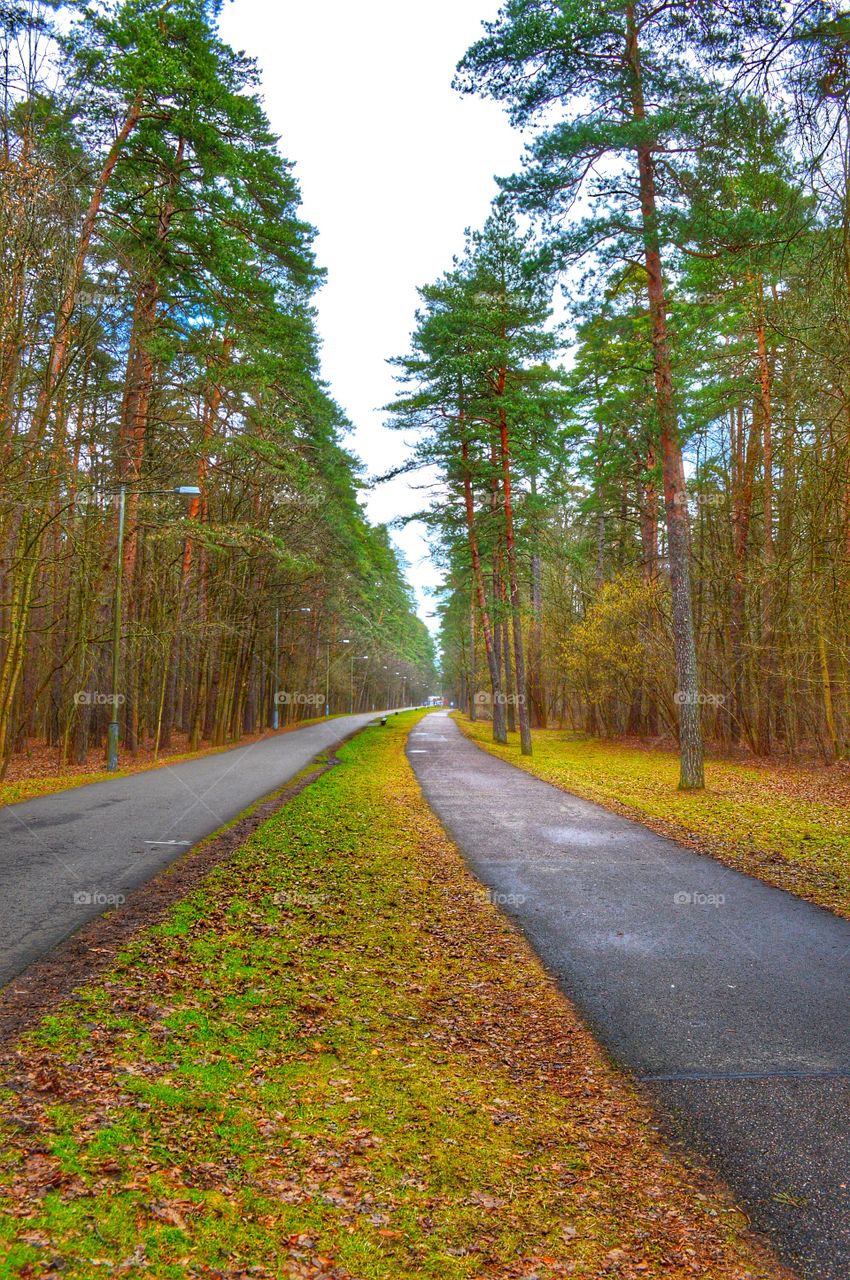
(337, 1059)
(785, 824)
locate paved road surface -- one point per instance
(104, 839)
(729, 998)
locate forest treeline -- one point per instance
(157, 332)
(644, 513)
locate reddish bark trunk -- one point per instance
(744, 461)
(62, 327)
(768, 646)
(139, 379)
(513, 576)
(692, 773)
(499, 734)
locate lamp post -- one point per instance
(275, 708)
(113, 732)
(328, 676)
(364, 657)
(328, 680)
(114, 726)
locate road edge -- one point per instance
(89, 951)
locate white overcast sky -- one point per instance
(393, 165)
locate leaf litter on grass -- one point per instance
(337, 1059)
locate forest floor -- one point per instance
(335, 1058)
(38, 769)
(789, 825)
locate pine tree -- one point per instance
(489, 403)
(627, 100)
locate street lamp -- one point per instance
(328, 675)
(355, 658)
(112, 733)
(275, 708)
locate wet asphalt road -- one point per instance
(64, 858)
(728, 998)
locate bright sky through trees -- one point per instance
(393, 165)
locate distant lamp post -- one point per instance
(112, 733)
(328, 675)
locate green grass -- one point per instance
(337, 1059)
(785, 824)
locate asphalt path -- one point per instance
(68, 857)
(728, 998)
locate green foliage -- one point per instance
(189, 356)
(619, 643)
(483, 345)
(686, 173)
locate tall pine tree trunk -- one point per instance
(472, 660)
(513, 578)
(744, 459)
(499, 734)
(536, 691)
(692, 770)
(768, 647)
